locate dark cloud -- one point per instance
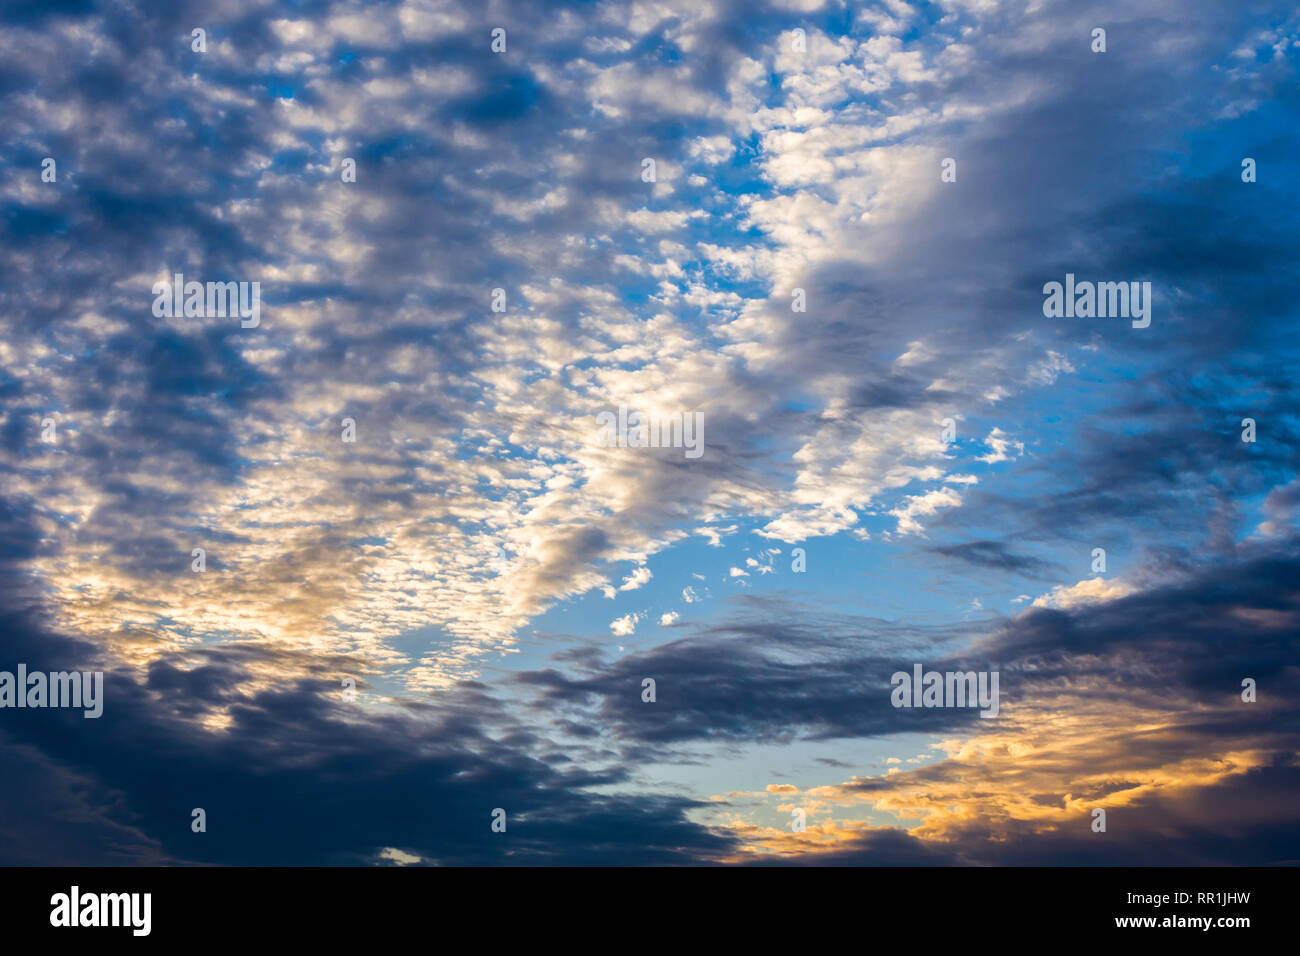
(297, 777)
(799, 677)
(995, 554)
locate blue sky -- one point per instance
(497, 583)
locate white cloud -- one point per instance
(636, 579)
(625, 625)
(926, 504)
(1087, 591)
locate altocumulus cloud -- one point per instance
(476, 500)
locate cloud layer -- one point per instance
(865, 343)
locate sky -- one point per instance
(429, 589)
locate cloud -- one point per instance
(443, 555)
(1084, 592)
(1132, 704)
(625, 625)
(993, 554)
(638, 577)
(925, 504)
(153, 750)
